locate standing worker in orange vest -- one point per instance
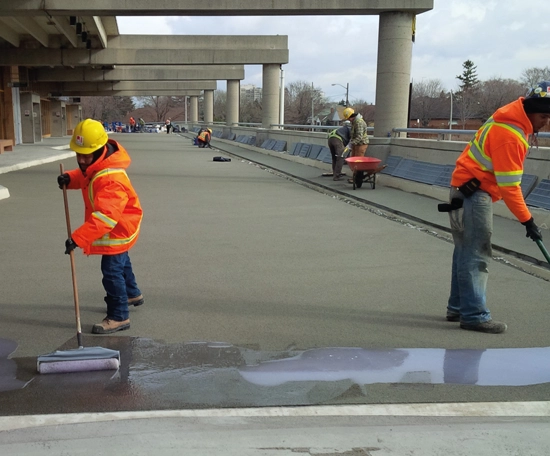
(112, 218)
(132, 125)
(489, 169)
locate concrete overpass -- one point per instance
(216, 8)
(104, 47)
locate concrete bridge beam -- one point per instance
(140, 73)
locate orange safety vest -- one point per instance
(495, 157)
(112, 211)
(204, 136)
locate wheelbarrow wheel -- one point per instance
(358, 179)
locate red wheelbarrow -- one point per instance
(364, 170)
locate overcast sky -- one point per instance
(502, 38)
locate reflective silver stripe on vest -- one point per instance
(107, 220)
(105, 241)
(509, 179)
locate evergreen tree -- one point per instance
(469, 76)
(466, 97)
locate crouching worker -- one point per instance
(203, 138)
(112, 218)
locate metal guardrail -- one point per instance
(440, 132)
(443, 132)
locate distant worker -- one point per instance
(359, 139)
(132, 124)
(203, 137)
(338, 139)
(141, 125)
(489, 169)
(112, 218)
(168, 125)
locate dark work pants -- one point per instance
(336, 147)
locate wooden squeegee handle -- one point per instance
(73, 269)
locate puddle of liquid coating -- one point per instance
(8, 367)
(490, 367)
(156, 376)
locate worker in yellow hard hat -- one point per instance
(112, 218)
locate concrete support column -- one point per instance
(270, 94)
(31, 130)
(58, 119)
(394, 72)
(193, 109)
(209, 107)
(232, 102)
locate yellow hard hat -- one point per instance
(347, 113)
(88, 136)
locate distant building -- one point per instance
(250, 92)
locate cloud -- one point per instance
(154, 25)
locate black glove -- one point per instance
(532, 229)
(63, 180)
(70, 245)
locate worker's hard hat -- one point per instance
(538, 98)
(347, 113)
(88, 136)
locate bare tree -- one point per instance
(497, 92)
(220, 101)
(160, 104)
(106, 109)
(532, 76)
(425, 99)
(299, 97)
(251, 111)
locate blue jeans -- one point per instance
(471, 228)
(119, 283)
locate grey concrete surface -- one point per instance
(286, 436)
(238, 253)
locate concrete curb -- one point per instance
(470, 409)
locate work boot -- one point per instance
(137, 301)
(108, 326)
(489, 326)
(453, 317)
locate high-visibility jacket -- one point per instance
(495, 157)
(343, 134)
(204, 136)
(112, 211)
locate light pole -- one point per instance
(347, 91)
(451, 118)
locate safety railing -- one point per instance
(443, 133)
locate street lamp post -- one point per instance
(347, 91)
(451, 118)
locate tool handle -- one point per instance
(73, 269)
(543, 250)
